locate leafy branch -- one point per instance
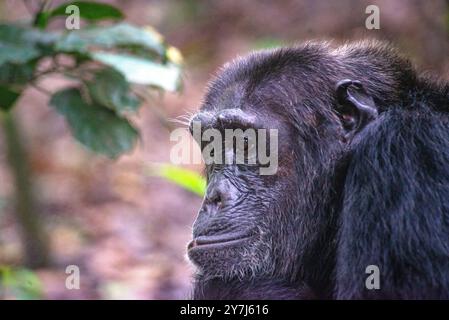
(107, 64)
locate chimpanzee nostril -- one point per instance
(218, 205)
(220, 193)
(215, 199)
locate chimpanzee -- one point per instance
(362, 181)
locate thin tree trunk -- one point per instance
(34, 239)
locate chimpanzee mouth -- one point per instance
(217, 242)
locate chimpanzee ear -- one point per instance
(355, 106)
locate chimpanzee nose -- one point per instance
(220, 193)
(214, 196)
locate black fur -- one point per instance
(216, 289)
(336, 205)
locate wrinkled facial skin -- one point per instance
(245, 216)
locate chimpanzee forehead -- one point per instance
(270, 69)
(229, 97)
(230, 86)
(233, 104)
(274, 85)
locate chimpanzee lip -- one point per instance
(215, 241)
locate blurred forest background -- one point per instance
(126, 229)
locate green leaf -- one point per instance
(89, 10)
(109, 37)
(19, 283)
(16, 45)
(142, 71)
(12, 73)
(188, 179)
(98, 128)
(41, 19)
(109, 88)
(7, 98)
(16, 53)
(19, 45)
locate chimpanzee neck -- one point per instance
(217, 289)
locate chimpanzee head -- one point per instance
(318, 99)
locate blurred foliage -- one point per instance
(267, 43)
(3, 203)
(115, 56)
(88, 10)
(187, 179)
(19, 284)
(446, 19)
(111, 68)
(97, 127)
